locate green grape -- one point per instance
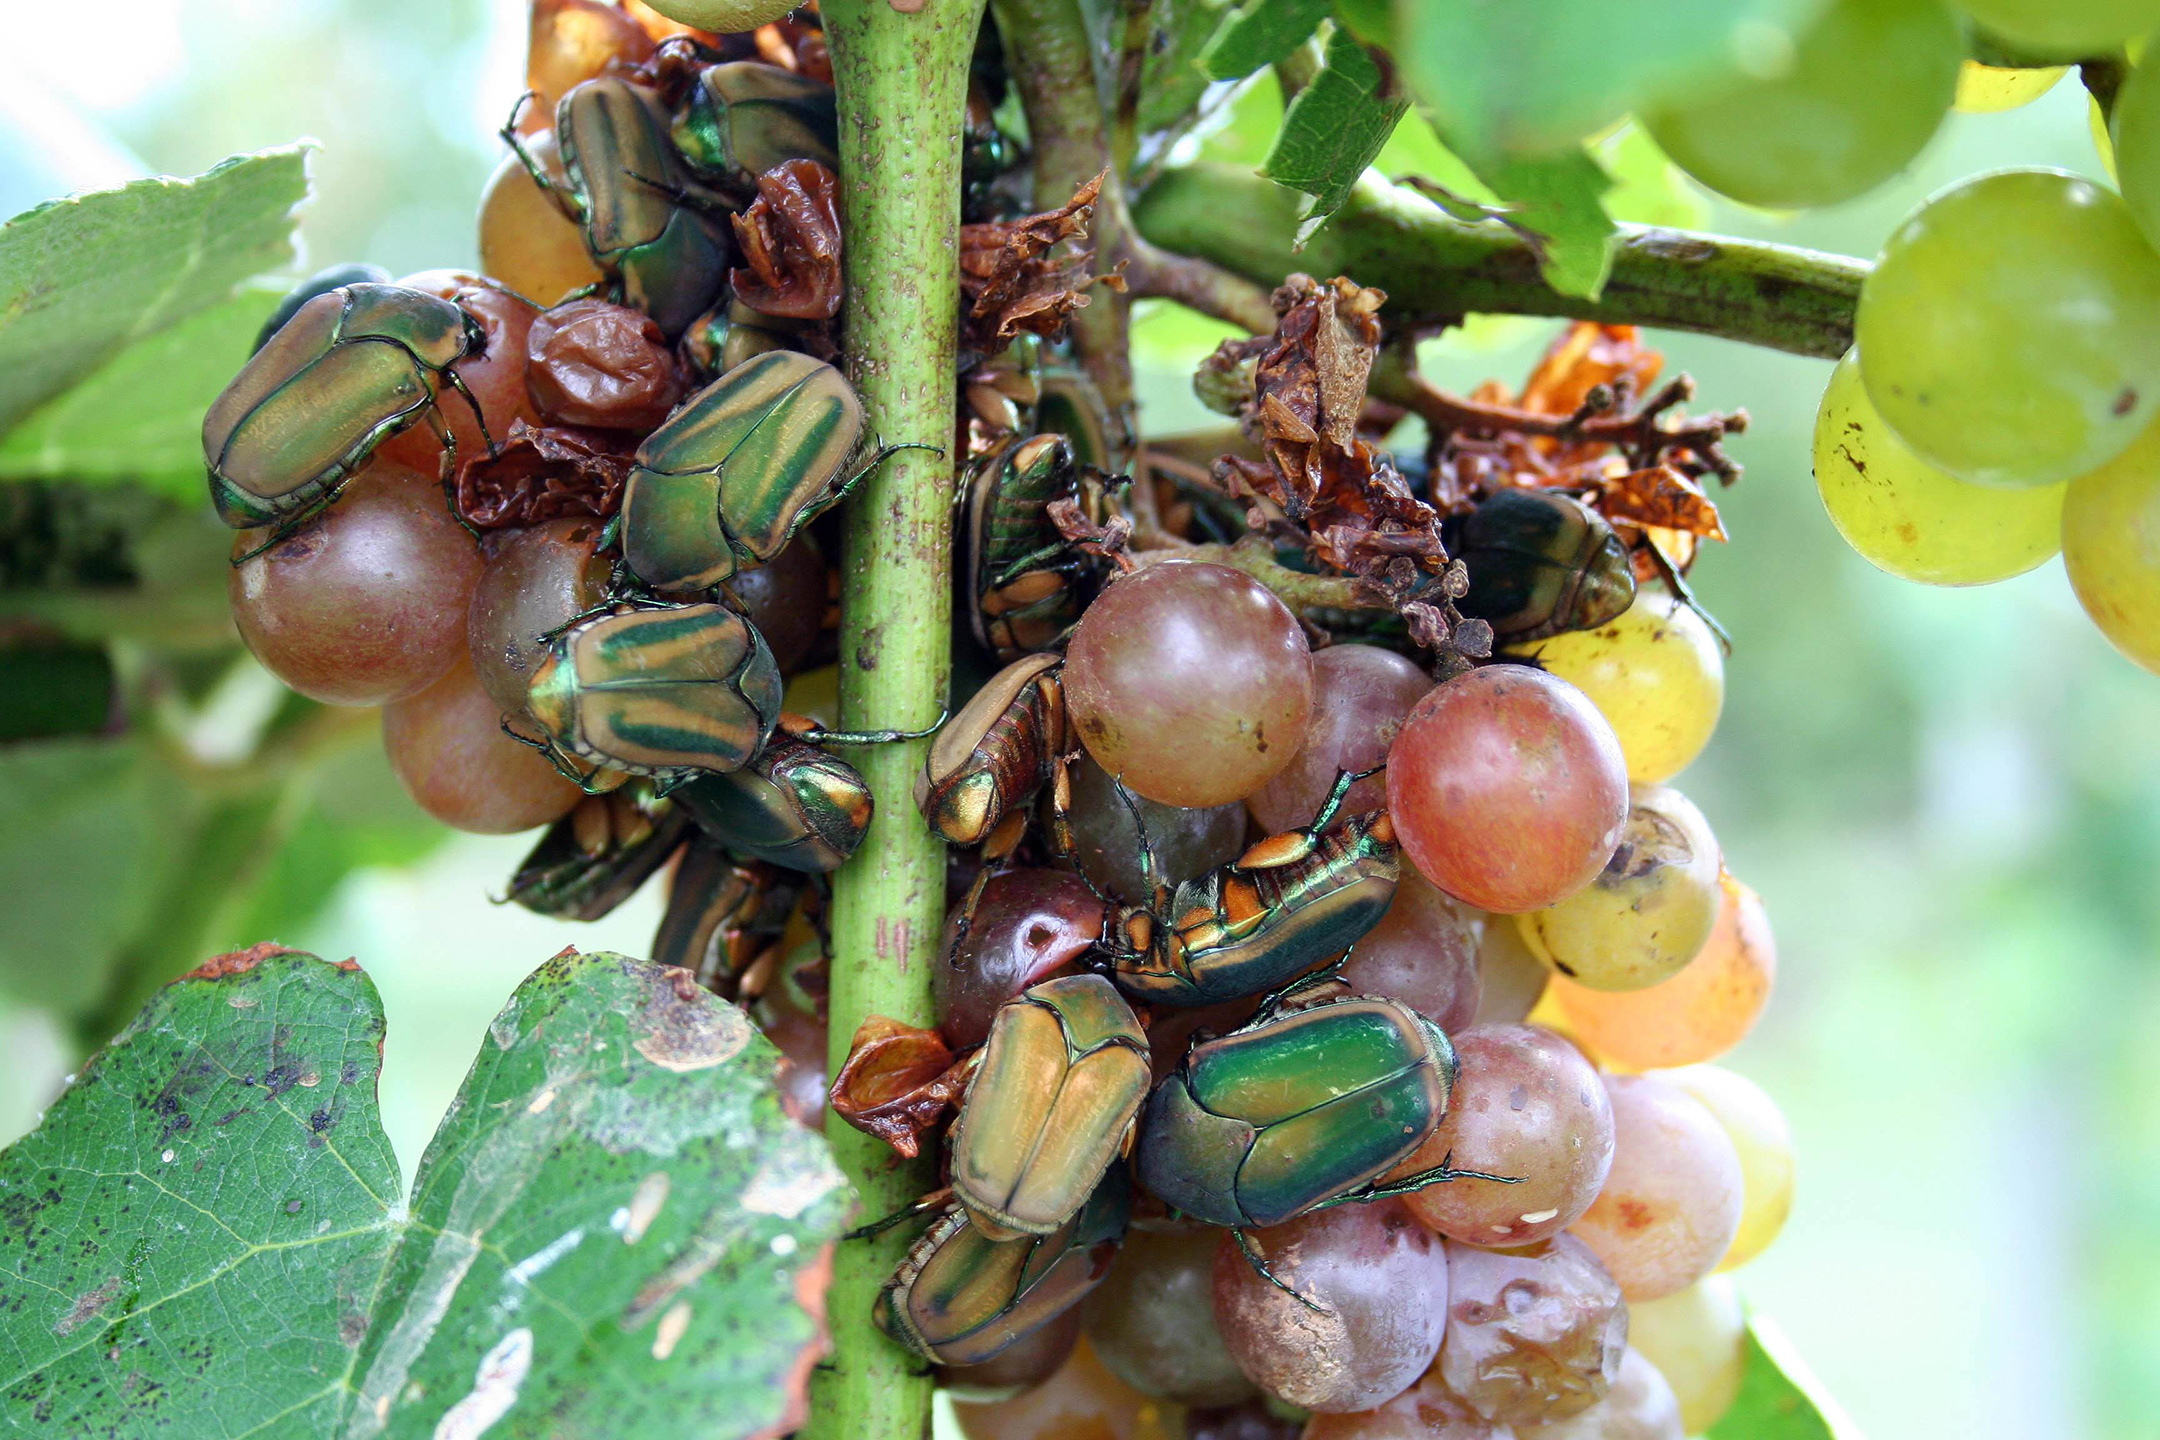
(1989, 89)
(2065, 28)
(2111, 547)
(2136, 141)
(1907, 517)
(1867, 86)
(2010, 333)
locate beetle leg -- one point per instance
(810, 732)
(564, 199)
(1254, 1258)
(441, 427)
(457, 383)
(1685, 593)
(1150, 874)
(877, 459)
(1344, 779)
(1439, 1175)
(590, 783)
(1310, 980)
(935, 1200)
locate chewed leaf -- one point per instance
(1334, 129)
(83, 278)
(616, 1229)
(1780, 1398)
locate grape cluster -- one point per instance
(1331, 971)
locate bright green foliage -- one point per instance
(82, 278)
(606, 1235)
(1558, 200)
(1335, 127)
(1171, 80)
(1779, 1399)
(1909, 518)
(1867, 86)
(1536, 76)
(139, 416)
(2011, 331)
(1260, 33)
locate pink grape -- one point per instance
(1671, 1204)
(536, 581)
(448, 747)
(1361, 694)
(1423, 953)
(1533, 1335)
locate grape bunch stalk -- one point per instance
(1321, 1028)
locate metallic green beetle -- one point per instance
(743, 117)
(960, 1297)
(1252, 925)
(723, 915)
(353, 367)
(1540, 562)
(644, 223)
(1297, 1111)
(322, 282)
(661, 692)
(725, 482)
(1050, 1106)
(597, 856)
(793, 805)
(1026, 585)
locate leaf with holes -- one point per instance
(616, 1230)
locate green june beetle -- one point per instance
(597, 856)
(1026, 585)
(742, 117)
(1250, 926)
(351, 368)
(741, 465)
(990, 759)
(724, 914)
(793, 806)
(665, 692)
(960, 1297)
(644, 225)
(1050, 1105)
(1540, 562)
(1298, 1110)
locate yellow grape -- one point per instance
(2111, 547)
(1757, 1128)
(1907, 517)
(1510, 978)
(1656, 673)
(1650, 910)
(1986, 89)
(525, 241)
(1698, 1014)
(1697, 1339)
(2064, 27)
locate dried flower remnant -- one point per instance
(898, 1082)
(790, 239)
(1027, 275)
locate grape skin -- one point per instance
(2111, 548)
(1649, 912)
(1361, 695)
(536, 581)
(1697, 1339)
(1152, 1320)
(1656, 673)
(1424, 952)
(1640, 1406)
(448, 748)
(1869, 83)
(1671, 1202)
(1907, 517)
(1533, 1334)
(2065, 28)
(1991, 89)
(525, 239)
(2010, 332)
(1763, 1141)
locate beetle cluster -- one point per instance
(1260, 856)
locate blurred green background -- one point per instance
(1948, 799)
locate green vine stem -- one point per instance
(1432, 265)
(902, 80)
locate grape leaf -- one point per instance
(1780, 1399)
(1558, 200)
(1535, 76)
(615, 1231)
(84, 277)
(1260, 33)
(1333, 130)
(139, 415)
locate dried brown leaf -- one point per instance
(1660, 497)
(790, 240)
(898, 1082)
(1028, 275)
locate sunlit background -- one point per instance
(1947, 798)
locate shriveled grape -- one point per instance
(1152, 1320)
(1526, 1105)
(494, 374)
(1510, 979)
(786, 599)
(2010, 333)
(1361, 695)
(1534, 1334)
(1507, 788)
(2111, 547)
(1698, 1014)
(1423, 952)
(1763, 1141)
(1640, 1406)
(536, 581)
(1191, 681)
(608, 366)
(1867, 84)
(1670, 1206)
(1656, 674)
(1185, 842)
(1697, 1339)
(1019, 1367)
(1028, 925)
(1907, 517)
(1649, 912)
(1428, 1410)
(366, 602)
(1380, 1279)
(448, 748)
(525, 239)
(1081, 1401)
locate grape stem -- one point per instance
(901, 74)
(1439, 268)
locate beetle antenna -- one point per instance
(563, 200)
(1254, 1258)
(1439, 1175)
(1685, 594)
